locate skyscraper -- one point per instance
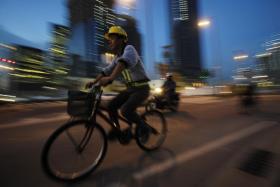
(183, 19)
(269, 62)
(60, 37)
(29, 71)
(89, 20)
(130, 26)
(58, 65)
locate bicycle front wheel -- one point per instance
(155, 132)
(74, 150)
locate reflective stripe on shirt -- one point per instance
(127, 76)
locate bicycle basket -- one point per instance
(80, 103)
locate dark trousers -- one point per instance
(128, 101)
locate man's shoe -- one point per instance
(113, 135)
(144, 133)
(125, 136)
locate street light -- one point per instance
(127, 3)
(240, 57)
(203, 23)
(127, 7)
(216, 66)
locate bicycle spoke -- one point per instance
(154, 131)
(71, 139)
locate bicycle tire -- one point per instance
(157, 131)
(56, 151)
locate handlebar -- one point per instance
(95, 86)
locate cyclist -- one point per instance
(128, 64)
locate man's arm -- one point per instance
(116, 71)
(98, 78)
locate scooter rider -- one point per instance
(169, 88)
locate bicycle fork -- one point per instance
(79, 147)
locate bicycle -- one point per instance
(78, 147)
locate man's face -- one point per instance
(114, 42)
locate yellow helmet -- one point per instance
(169, 74)
(116, 30)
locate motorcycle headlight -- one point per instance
(158, 90)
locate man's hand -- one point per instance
(89, 84)
(104, 81)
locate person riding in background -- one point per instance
(127, 63)
(169, 88)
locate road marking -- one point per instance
(201, 100)
(191, 154)
(34, 121)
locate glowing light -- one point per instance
(6, 67)
(60, 71)
(31, 71)
(126, 3)
(240, 57)
(7, 60)
(2, 95)
(33, 61)
(158, 90)
(277, 47)
(58, 51)
(49, 88)
(189, 88)
(239, 77)
(27, 76)
(259, 76)
(8, 46)
(226, 92)
(263, 55)
(7, 100)
(203, 23)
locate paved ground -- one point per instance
(209, 143)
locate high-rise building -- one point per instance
(60, 36)
(58, 53)
(89, 20)
(269, 62)
(273, 47)
(29, 70)
(130, 26)
(6, 66)
(183, 19)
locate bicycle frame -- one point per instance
(97, 110)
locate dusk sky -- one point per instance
(236, 25)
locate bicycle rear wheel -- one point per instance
(74, 150)
(155, 132)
